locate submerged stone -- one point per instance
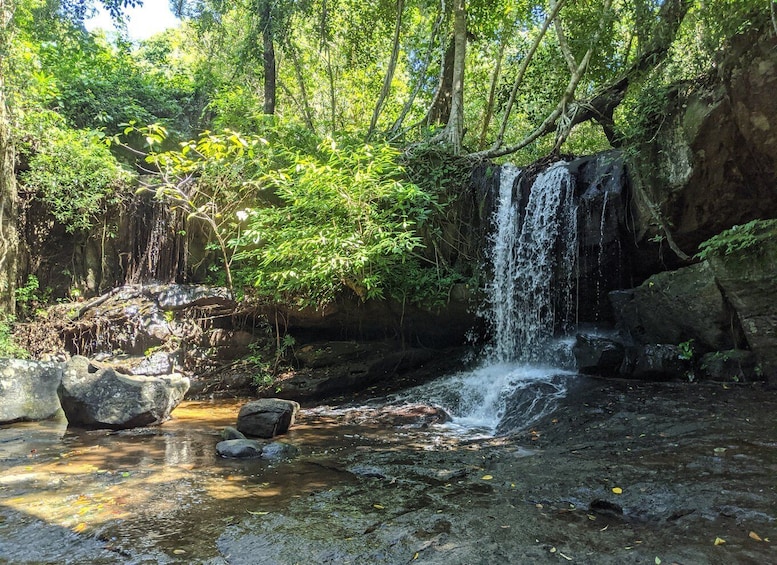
(239, 448)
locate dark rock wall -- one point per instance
(711, 163)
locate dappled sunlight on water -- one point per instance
(163, 488)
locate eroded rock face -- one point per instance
(28, 390)
(100, 397)
(711, 162)
(749, 282)
(674, 307)
(267, 417)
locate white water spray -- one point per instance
(530, 298)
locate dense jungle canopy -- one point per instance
(315, 142)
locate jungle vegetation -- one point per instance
(319, 141)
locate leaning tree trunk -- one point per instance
(392, 66)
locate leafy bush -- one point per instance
(74, 174)
(8, 347)
(346, 216)
(743, 238)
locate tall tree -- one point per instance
(9, 241)
(453, 132)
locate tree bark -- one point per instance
(453, 133)
(489, 113)
(268, 58)
(440, 109)
(9, 238)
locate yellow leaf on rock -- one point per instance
(617, 490)
(754, 536)
(80, 527)
(719, 541)
(257, 513)
(378, 506)
(487, 477)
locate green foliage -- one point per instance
(686, 350)
(346, 216)
(745, 238)
(74, 174)
(8, 347)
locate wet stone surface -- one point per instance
(619, 473)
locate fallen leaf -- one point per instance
(487, 477)
(257, 513)
(553, 550)
(658, 561)
(719, 541)
(415, 556)
(754, 536)
(378, 506)
(80, 527)
(617, 490)
(179, 551)
(567, 557)
(125, 474)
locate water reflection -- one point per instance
(158, 490)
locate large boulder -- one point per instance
(267, 417)
(595, 355)
(675, 307)
(28, 390)
(748, 278)
(100, 397)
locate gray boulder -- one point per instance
(748, 279)
(598, 355)
(735, 365)
(100, 397)
(239, 448)
(676, 306)
(267, 417)
(279, 450)
(28, 390)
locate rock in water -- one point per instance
(267, 417)
(100, 397)
(28, 390)
(239, 448)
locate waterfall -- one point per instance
(533, 258)
(529, 301)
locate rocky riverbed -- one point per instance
(619, 472)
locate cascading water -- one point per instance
(530, 300)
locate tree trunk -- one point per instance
(440, 109)
(392, 66)
(419, 79)
(600, 106)
(9, 239)
(453, 133)
(268, 58)
(522, 71)
(305, 101)
(489, 113)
